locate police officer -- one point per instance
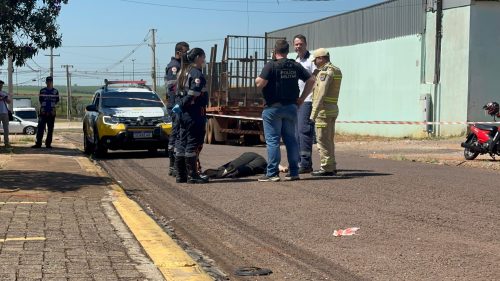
(279, 83)
(325, 110)
(192, 107)
(48, 98)
(171, 71)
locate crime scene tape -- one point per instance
(90, 97)
(370, 122)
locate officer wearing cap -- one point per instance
(191, 86)
(171, 71)
(325, 110)
(48, 98)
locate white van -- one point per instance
(26, 113)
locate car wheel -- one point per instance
(99, 149)
(30, 130)
(87, 146)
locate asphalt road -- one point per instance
(417, 221)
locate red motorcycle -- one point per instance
(484, 139)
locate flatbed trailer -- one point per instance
(235, 104)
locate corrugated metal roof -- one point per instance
(383, 21)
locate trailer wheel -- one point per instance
(205, 139)
(217, 125)
(209, 136)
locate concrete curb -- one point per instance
(170, 259)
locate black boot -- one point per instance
(171, 169)
(192, 170)
(180, 168)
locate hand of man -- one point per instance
(300, 101)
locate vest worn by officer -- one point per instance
(48, 100)
(194, 95)
(286, 77)
(171, 81)
(326, 92)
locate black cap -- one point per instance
(49, 79)
(1, 82)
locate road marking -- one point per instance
(172, 261)
(21, 202)
(23, 239)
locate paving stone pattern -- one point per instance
(71, 230)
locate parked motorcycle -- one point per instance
(484, 139)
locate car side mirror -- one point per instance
(91, 108)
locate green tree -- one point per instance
(27, 26)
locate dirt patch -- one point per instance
(431, 151)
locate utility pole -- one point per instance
(52, 61)
(68, 89)
(10, 79)
(133, 69)
(153, 48)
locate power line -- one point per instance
(230, 10)
(146, 38)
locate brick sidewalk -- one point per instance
(57, 221)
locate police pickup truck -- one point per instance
(130, 117)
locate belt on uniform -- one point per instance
(331, 100)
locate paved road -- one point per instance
(418, 221)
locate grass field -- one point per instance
(81, 97)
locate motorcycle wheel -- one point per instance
(469, 154)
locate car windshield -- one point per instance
(26, 114)
(131, 99)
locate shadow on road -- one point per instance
(132, 155)
(48, 181)
(50, 151)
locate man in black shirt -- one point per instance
(279, 83)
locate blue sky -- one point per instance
(127, 22)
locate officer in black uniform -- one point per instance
(193, 102)
(171, 71)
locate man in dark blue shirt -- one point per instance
(279, 83)
(173, 68)
(48, 98)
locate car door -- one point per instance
(15, 126)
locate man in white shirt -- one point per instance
(4, 114)
(305, 129)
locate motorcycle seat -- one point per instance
(490, 128)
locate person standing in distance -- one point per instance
(305, 129)
(279, 83)
(325, 110)
(48, 98)
(191, 85)
(171, 71)
(4, 114)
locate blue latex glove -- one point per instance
(176, 109)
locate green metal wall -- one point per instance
(381, 81)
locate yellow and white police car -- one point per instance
(131, 117)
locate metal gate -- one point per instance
(232, 81)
